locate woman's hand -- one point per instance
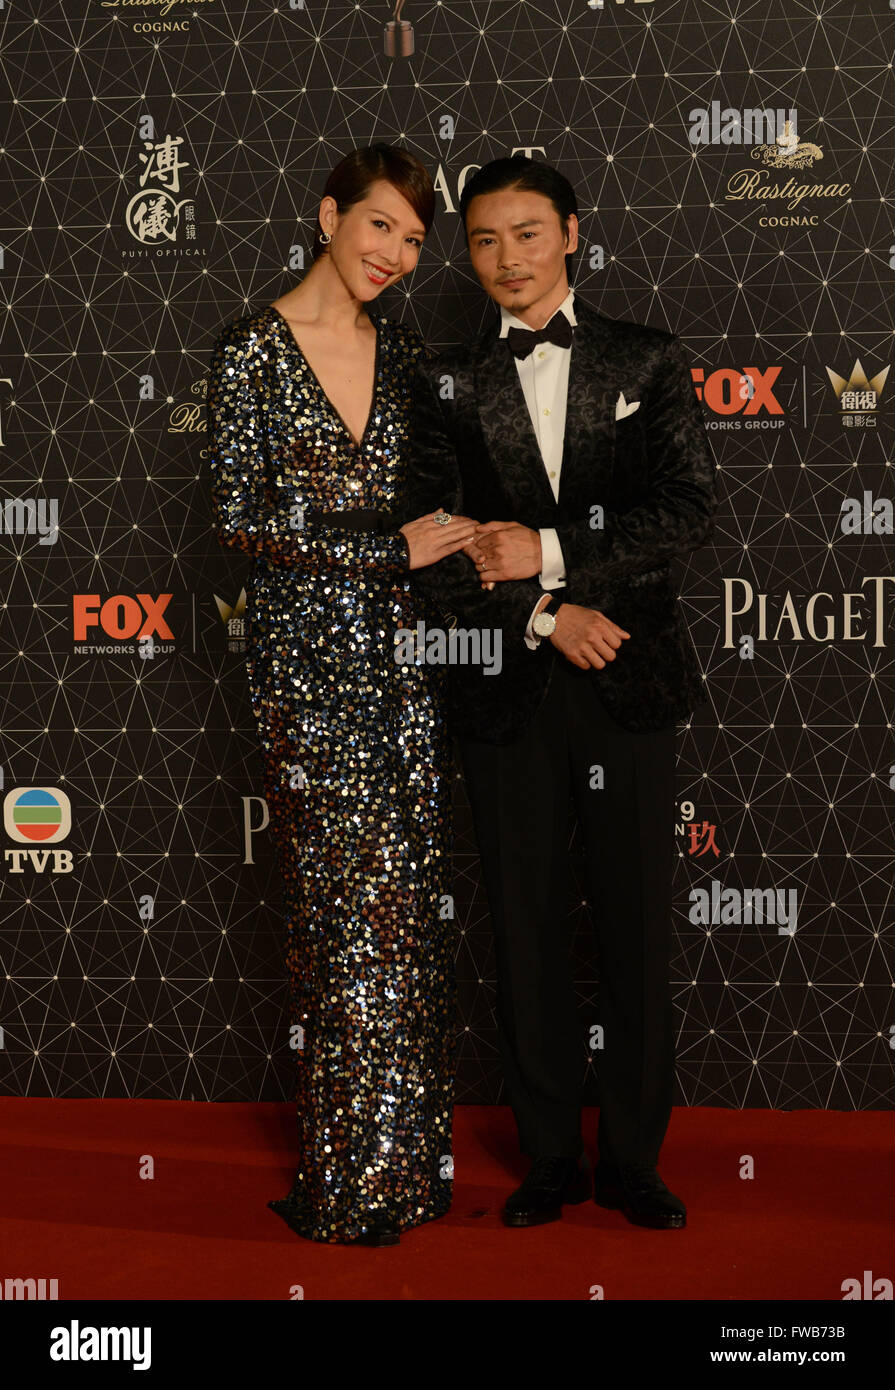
(429, 542)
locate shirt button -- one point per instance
(546, 411)
(540, 354)
(552, 473)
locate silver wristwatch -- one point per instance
(544, 622)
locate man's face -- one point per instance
(518, 246)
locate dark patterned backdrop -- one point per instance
(162, 169)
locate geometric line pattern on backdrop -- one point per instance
(155, 967)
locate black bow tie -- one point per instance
(558, 330)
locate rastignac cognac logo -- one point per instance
(773, 138)
(458, 646)
(166, 23)
(855, 616)
(187, 417)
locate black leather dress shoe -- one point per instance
(638, 1191)
(550, 1182)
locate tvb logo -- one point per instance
(37, 818)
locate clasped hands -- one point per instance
(502, 550)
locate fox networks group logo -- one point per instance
(133, 624)
(37, 818)
(744, 398)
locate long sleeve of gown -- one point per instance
(246, 518)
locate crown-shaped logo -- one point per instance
(228, 612)
(858, 392)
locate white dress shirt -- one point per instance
(544, 375)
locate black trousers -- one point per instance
(519, 795)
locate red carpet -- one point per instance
(819, 1210)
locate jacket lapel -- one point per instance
(506, 424)
(589, 442)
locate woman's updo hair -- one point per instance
(350, 180)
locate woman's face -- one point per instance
(374, 242)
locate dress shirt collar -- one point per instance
(509, 320)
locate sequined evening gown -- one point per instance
(356, 766)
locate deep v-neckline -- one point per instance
(335, 413)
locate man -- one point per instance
(581, 451)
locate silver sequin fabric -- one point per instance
(356, 766)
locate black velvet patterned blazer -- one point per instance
(474, 452)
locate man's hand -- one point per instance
(586, 636)
(504, 550)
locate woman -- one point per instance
(308, 418)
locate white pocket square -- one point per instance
(623, 407)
